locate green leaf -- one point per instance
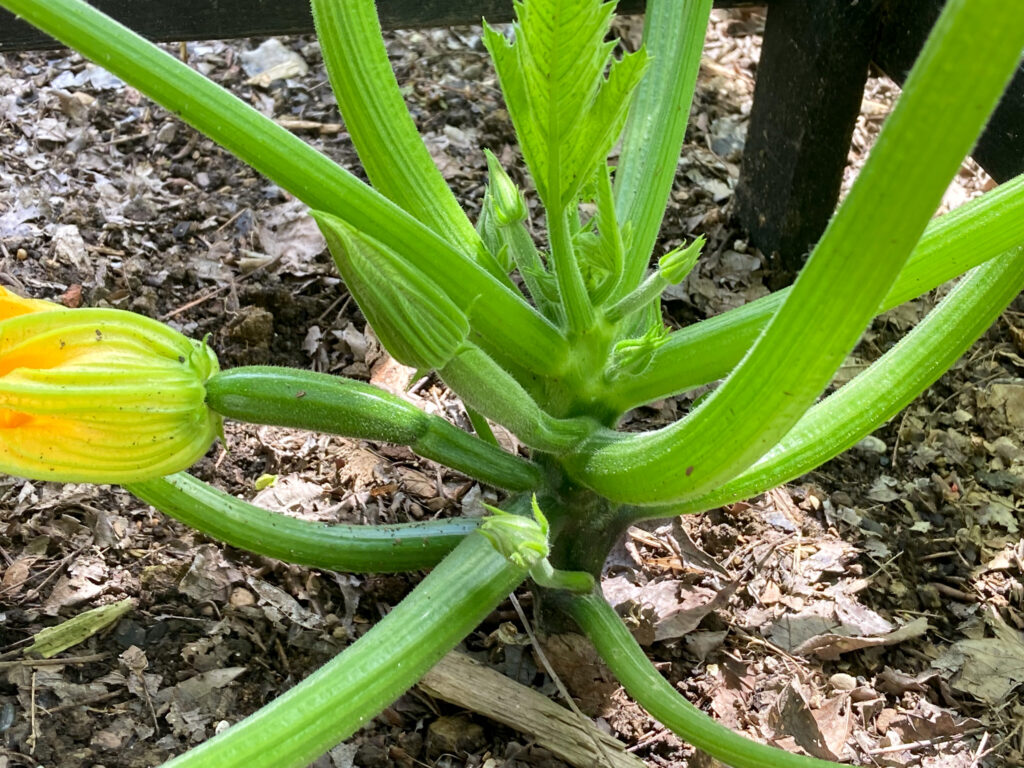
(52, 640)
(414, 319)
(612, 238)
(566, 113)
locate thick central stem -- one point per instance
(586, 534)
(584, 528)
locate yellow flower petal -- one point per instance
(99, 395)
(12, 305)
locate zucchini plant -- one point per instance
(558, 343)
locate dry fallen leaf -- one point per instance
(794, 723)
(278, 604)
(668, 608)
(987, 668)
(830, 646)
(50, 641)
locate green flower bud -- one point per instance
(632, 356)
(521, 540)
(509, 206)
(414, 319)
(675, 265)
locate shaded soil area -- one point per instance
(872, 612)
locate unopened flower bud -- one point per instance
(523, 540)
(675, 265)
(633, 356)
(509, 206)
(99, 395)
(414, 319)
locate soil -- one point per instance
(872, 612)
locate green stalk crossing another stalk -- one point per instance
(877, 394)
(953, 243)
(959, 77)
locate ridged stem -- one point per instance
(516, 238)
(958, 79)
(579, 312)
(653, 138)
(952, 244)
(390, 148)
(489, 389)
(643, 682)
(878, 393)
(335, 701)
(288, 397)
(353, 548)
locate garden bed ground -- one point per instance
(873, 611)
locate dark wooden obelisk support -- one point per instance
(810, 82)
(1000, 150)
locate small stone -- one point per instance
(167, 132)
(840, 681)
(871, 444)
(454, 735)
(72, 297)
(107, 740)
(240, 597)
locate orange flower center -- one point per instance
(12, 419)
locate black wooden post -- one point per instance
(174, 20)
(810, 82)
(1000, 150)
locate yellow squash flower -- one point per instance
(12, 305)
(99, 395)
